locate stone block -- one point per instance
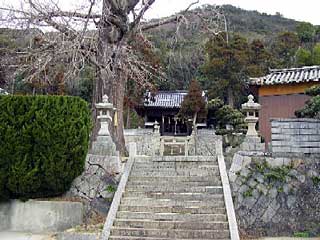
(232, 177)
(275, 130)
(286, 161)
(262, 188)
(274, 162)
(236, 163)
(291, 200)
(244, 172)
(246, 161)
(259, 177)
(268, 215)
(301, 178)
(307, 131)
(252, 183)
(273, 193)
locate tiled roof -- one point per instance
(165, 99)
(289, 76)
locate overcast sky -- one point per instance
(302, 10)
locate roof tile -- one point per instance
(287, 76)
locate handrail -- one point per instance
(233, 226)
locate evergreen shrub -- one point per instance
(43, 144)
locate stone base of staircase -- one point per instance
(172, 198)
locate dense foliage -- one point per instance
(43, 144)
(220, 115)
(312, 108)
(229, 64)
(193, 105)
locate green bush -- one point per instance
(312, 107)
(221, 115)
(43, 144)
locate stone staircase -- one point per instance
(172, 198)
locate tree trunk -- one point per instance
(128, 123)
(111, 79)
(118, 102)
(230, 97)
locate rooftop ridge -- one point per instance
(293, 69)
(289, 76)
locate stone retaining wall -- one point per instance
(297, 136)
(276, 196)
(206, 142)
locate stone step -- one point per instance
(176, 165)
(196, 173)
(176, 169)
(177, 159)
(173, 178)
(172, 216)
(174, 209)
(151, 238)
(134, 223)
(177, 189)
(173, 233)
(170, 203)
(174, 196)
(174, 183)
(184, 159)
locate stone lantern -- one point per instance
(156, 128)
(105, 108)
(251, 109)
(104, 145)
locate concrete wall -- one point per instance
(4, 216)
(40, 216)
(298, 136)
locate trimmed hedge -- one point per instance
(43, 144)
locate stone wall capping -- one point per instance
(294, 120)
(233, 226)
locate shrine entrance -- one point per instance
(162, 109)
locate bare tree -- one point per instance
(96, 33)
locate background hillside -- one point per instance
(182, 53)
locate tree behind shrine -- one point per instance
(194, 105)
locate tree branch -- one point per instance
(174, 18)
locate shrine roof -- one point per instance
(289, 76)
(165, 99)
